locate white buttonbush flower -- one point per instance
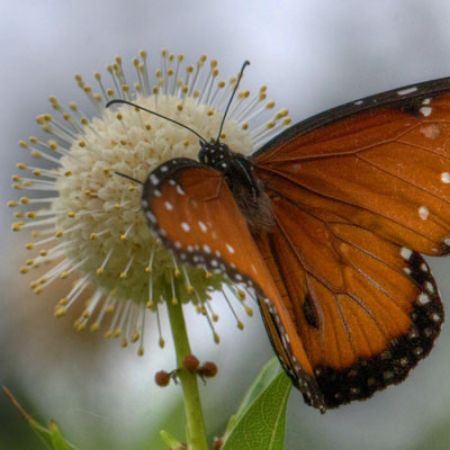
(86, 221)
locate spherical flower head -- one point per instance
(88, 221)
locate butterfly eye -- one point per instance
(203, 153)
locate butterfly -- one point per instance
(327, 224)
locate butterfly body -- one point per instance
(239, 174)
(326, 224)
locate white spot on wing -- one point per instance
(445, 177)
(202, 226)
(423, 298)
(154, 179)
(405, 252)
(424, 212)
(185, 226)
(426, 111)
(168, 206)
(229, 248)
(407, 91)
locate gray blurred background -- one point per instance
(312, 55)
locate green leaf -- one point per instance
(259, 423)
(51, 437)
(171, 441)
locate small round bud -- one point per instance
(191, 363)
(208, 369)
(217, 443)
(162, 378)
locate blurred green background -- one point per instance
(312, 55)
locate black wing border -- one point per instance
(403, 98)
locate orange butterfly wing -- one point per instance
(192, 209)
(354, 201)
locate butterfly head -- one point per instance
(215, 154)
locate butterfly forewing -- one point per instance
(192, 209)
(355, 197)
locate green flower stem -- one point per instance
(196, 433)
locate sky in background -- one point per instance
(312, 55)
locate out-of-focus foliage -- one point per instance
(260, 421)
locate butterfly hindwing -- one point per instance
(366, 309)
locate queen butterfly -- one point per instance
(326, 223)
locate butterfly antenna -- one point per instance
(246, 63)
(124, 175)
(126, 102)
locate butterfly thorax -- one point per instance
(248, 191)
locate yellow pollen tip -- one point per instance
(249, 311)
(135, 337)
(176, 273)
(161, 342)
(60, 311)
(24, 200)
(59, 233)
(93, 236)
(174, 301)
(215, 317)
(100, 271)
(117, 332)
(140, 351)
(11, 204)
(124, 343)
(241, 294)
(216, 338)
(64, 275)
(23, 270)
(29, 246)
(71, 214)
(240, 325)
(190, 288)
(80, 326)
(94, 327)
(17, 226)
(68, 173)
(123, 237)
(123, 275)
(148, 269)
(208, 275)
